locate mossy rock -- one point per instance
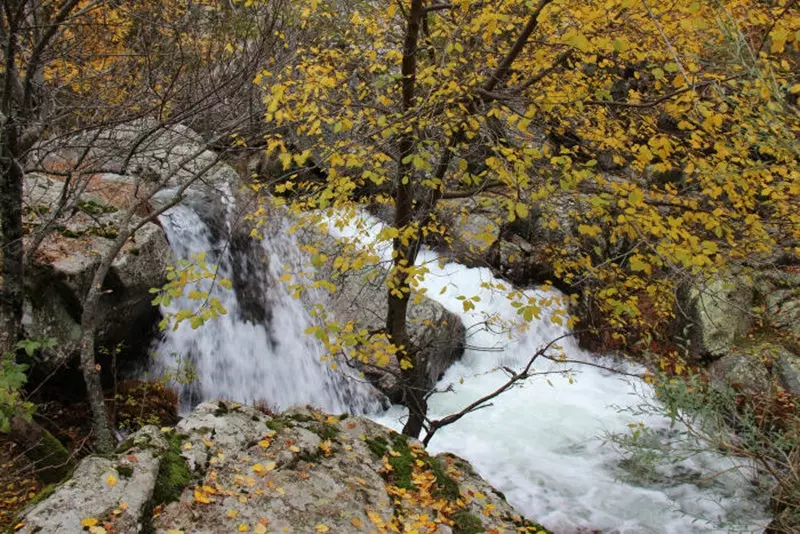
(173, 474)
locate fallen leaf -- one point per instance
(111, 480)
(89, 522)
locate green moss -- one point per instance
(301, 417)
(173, 474)
(402, 463)
(467, 523)
(125, 471)
(277, 424)
(125, 445)
(93, 207)
(325, 430)
(52, 460)
(378, 446)
(446, 487)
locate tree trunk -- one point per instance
(405, 254)
(50, 458)
(103, 437)
(11, 291)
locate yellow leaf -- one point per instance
(97, 530)
(322, 528)
(243, 528)
(578, 40)
(89, 522)
(111, 480)
(262, 470)
(356, 522)
(260, 529)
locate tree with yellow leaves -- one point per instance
(661, 139)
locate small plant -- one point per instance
(759, 434)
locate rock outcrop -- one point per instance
(143, 163)
(65, 262)
(719, 312)
(228, 468)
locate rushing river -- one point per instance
(541, 444)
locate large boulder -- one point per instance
(66, 259)
(234, 468)
(718, 312)
(777, 292)
(114, 491)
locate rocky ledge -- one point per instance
(233, 468)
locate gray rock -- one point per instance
(719, 311)
(757, 368)
(294, 472)
(743, 371)
(788, 366)
(778, 292)
(65, 262)
(117, 490)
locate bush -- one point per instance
(760, 434)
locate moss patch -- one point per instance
(173, 474)
(125, 471)
(325, 430)
(277, 424)
(402, 462)
(379, 446)
(446, 487)
(467, 523)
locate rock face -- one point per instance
(301, 471)
(67, 258)
(722, 314)
(719, 312)
(137, 158)
(117, 490)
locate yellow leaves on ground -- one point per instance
(111, 481)
(321, 528)
(263, 469)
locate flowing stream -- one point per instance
(540, 444)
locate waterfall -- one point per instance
(540, 444)
(258, 352)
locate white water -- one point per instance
(539, 444)
(233, 358)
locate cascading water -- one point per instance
(539, 444)
(249, 356)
